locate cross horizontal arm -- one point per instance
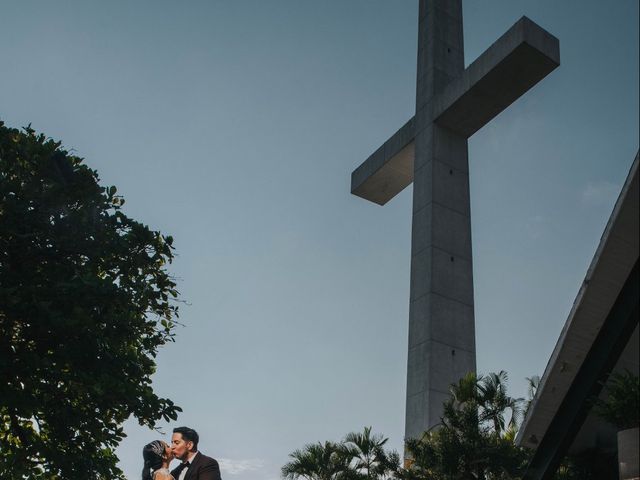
(518, 60)
(389, 169)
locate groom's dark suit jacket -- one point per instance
(202, 468)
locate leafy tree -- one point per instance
(532, 388)
(621, 407)
(470, 442)
(318, 461)
(369, 459)
(495, 403)
(85, 303)
(361, 456)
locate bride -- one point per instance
(157, 456)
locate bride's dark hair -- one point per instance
(152, 455)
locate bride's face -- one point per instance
(168, 454)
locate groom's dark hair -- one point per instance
(189, 434)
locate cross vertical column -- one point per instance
(441, 319)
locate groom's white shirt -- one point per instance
(183, 473)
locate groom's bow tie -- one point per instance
(180, 468)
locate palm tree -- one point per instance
(317, 461)
(368, 457)
(494, 402)
(466, 390)
(533, 384)
(474, 439)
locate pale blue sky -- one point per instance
(234, 125)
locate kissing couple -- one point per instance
(157, 456)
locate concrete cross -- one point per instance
(430, 150)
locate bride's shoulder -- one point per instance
(162, 474)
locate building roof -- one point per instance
(612, 264)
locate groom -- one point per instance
(195, 465)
